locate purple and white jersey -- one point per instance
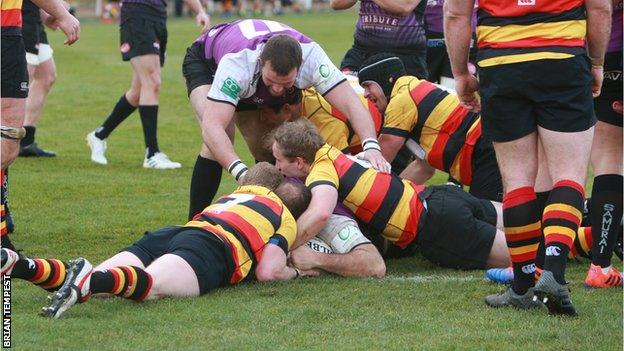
(434, 16)
(379, 29)
(615, 42)
(236, 46)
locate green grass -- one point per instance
(67, 207)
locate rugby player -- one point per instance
(450, 227)
(143, 42)
(527, 52)
(238, 68)
(243, 236)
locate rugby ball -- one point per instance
(319, 245)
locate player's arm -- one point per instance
(390, 145)
(341, 4)
(418, 171)
(344, 99)
(63, 19)
(458, 34)
(316, 215)
(598, 32)
(398, 7)
(202, 19)
(363, 261)
(272, 265)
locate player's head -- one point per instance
(288, 110)
(377, 76)
(281, 58)
(263, 174)
(295, 196)
(294, 147)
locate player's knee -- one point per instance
(49, 79)
(10, 149)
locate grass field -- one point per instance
(68, 207)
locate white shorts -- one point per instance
(45, 53)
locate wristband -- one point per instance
(237, 169)
(297, 273)
(370, 144)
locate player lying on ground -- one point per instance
(242, 236)
(451, 228)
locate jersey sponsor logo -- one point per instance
(324, 70)
(526, 2)
(230, 88)
(553, 251)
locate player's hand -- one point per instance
(309, 273)
(467, 87)
(49, 21)
(70, 26)
(203, 21)
(303, 258)
(597, 72)
(376, 160)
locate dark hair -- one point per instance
(283, 52)
(263, 174)
(383, 69)
(295, 195)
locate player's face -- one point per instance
(373, 92)
(277, 84)
(289, 167)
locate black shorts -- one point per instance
(198, 71)
(33, 34)
(142, 35)
(458, 229)
(414, 62)
(438, 63)
(14, 74)
(611, 90)
(209, 257)
(553, 94)
(487, 182)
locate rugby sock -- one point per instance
(48, 274)
(29, 138)
(120, 112)
(606, 216)
(149, 119)
(204, 184)
(521, 217)
(129, 282)
(542, 198)
(582, 244)
(560, 221)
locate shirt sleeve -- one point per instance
(322, 172)
(401, 116)
(287, 231)
(231, 81)
(318, 70)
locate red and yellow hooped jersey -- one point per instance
(388, 204)
(333, 124)
(433, 118)
(245, 220)
(11, 17)
(511, 31)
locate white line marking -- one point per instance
(433, 278)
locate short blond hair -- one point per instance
(299, 138)
(263, 174)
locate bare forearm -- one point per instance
(54, 8)
(357, 263)
(308, 225)
(398, 7)
(341, 4)
(457, 34)
(598, 29)
(219, 144)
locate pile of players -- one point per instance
(357, 150)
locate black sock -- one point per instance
(129, 282)
(48, 274)
(204, 184)
(149, 119)
(542, 198)
(606, 217)
(120, 112)
(29, 138)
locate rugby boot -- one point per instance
(509, 298)
(98, 148)
(9, 259)
(500, 275)
(76, 289)
(33, 150)
(599, 280)
(160, 161)
(554, 295)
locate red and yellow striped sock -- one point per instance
(561, 219)
(49, 274)
(523, 230)
(582, 244)
(129, 282)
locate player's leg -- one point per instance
(13, 110)
(48, 274)
(255, 129)
(172, 276)
(42, 77)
